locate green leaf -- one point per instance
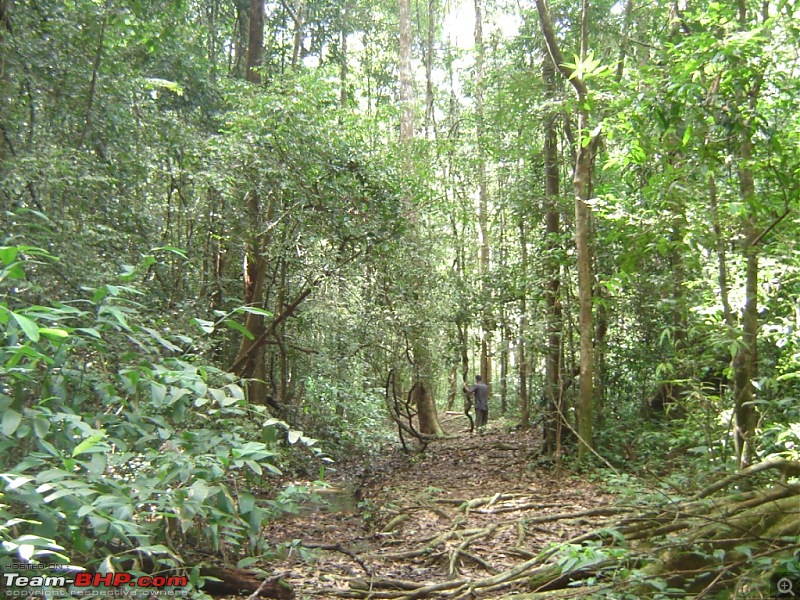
(236, 326)
(248, 561)
(157, 337)
(272, 469)
(217, 394)
(236, 391)
(13, 271)
(15, 481)
(27, 325)
(8, 254)
(128, 273)
(51, 332)
(88, 444)
(90, 331)
(11, 421)
(254, 311)
(199, 491)
(206, 326)
(687, 135)
(247, 502)
(117, 314)
(41, 426)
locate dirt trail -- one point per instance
(471, 507)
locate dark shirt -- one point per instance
(481, 392)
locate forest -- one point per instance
(261, 261)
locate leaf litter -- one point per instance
(450, 522)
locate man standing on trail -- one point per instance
(481, 393)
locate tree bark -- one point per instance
(524, 402)
(406, 83)
(251, 360)
(255, 41)
(746, 359)
(722, 263)
(581, 185)
(297, 47)
(552, 384)
(425, 404)
(241, 33)
(429, 50)
(483, 206)
(343, 96)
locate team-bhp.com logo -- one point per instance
(90, 584)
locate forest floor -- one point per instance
(468, 508)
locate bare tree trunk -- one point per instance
(552, 384)
(523, 328)
(406, 83)
(240, 37)
(98, 56)
(251, 361)
(503, 360)
(483, 205)
(721, 258)
(429, 50)
(343, 59)
(255, 41)
(212, 17)
(5, 80)
(297, 47)
(581, 186)
(426, 406)
(746, 360)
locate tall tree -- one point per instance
(422, 390)
(746, 360)
(255, 41)
(483, 204)
(584, 162)
(552, 380)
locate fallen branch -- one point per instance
(343, 550)
(785, 466)
(462, 547)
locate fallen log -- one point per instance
(230, 581)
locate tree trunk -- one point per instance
(422, 397)
(581, 185)
(250, 361)
(523, 327)
(297, 46)
(241, 36)
(255, 41)
(504, 340)
(483, 207)
(406, 83)
(5, 81)
(746, 359)
(212, 18)
(343, 96)
(552, 385)
(429, 50)
(722, 266)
